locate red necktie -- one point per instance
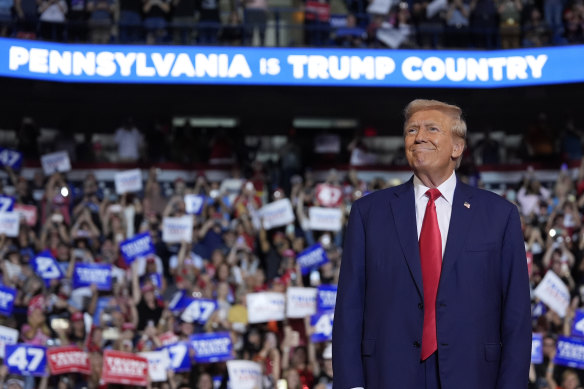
(431, 259)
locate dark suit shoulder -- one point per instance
(490, 199)
(378, 197)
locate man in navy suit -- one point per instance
(433, 291)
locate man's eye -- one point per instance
(434, 129)
(411, 131)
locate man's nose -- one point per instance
(420, 135)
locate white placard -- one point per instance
(300, 302)
(158, 364)
(177, 229)
(129, 181)
(244, 374)
(56, 162)
(265, 306)
(325, 219)
(277, 214)
(554, 293)
(7, 336)
(380, 7)
(434, 7)
(9, 224)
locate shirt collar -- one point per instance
(446, 188)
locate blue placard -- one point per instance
(7, 296)
(155, 278)
(326, 297)
(199, 310)
(536, 348)
(179, 301)
(212, 347)
(570, 352)
(138, 246)
(290, 66)
(10, 158)
(25, 359)
(102, 302)
(578, 324)
(538, 310)
(323, 326)
(86, 274)
(194, 204)
(180, 360)
(312, 258)
(6, 203)
(47, 267)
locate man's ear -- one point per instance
(458, 147)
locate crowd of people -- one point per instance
(407, 24)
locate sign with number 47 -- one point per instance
(24, 359)
(323, 326)
(10, 158)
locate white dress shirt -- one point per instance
(443, 208)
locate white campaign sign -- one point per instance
(56, 162)
(276, 214)
(158, 364)
(7, 336)
(177, 229)
(300, 302)
(128, 181)
(325, 219)
(9, 223)
(265, 306)
(244, 374)
(554, 293)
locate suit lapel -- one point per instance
(404, 211)
(460, 225)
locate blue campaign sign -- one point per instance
(570, 352)
(290, 66)
(578, 324)
(199, 310)
(180, 360)
(7, 296)
(102, 302)
(194, 204)
(212, 347)
(86, 274)
(538, 310)
(326, 297)
(155, 278)
(138, 246)
(47, 267)
(25, 359)
(312, 258)
(10, 158)
(323, 326)
(536, 348)
(179, 301)
(6, 203)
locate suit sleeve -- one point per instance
(348, 321)
(516, 309)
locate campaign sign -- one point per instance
(56, 162)
(177, 229)
(167, 338)
(325, 219)
(554, 293)
(212, 347)
(326, 297)
(10, 158)
(199, 310)
(28, 212)
(538, 310)
(155, 279)
(300, 302)
(323, 326)
(244, 374)
(86, 274)
(6, 203)
(7, 336)
(329, 195)
(25, 359)
(9, 224)
(68, 359)
(265, 306)
(194, 204)
(312, 258)
(179, 356)
(46, 266)
(570, 352)
(7, 296)
(138, 246)
(128, 181)
(124, 368)
(536, 348)
(158, 364)
(102, 302)
(578, 324)
(277, 214)
(179, 301)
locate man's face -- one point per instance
(431, 148)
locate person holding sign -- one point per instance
(433, 289)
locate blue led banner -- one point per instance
(290, 66)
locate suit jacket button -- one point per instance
(417, 344)
(420, 306)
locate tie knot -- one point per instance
(433, 194)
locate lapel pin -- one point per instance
(466, 204)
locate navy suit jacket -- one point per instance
(483, 315)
